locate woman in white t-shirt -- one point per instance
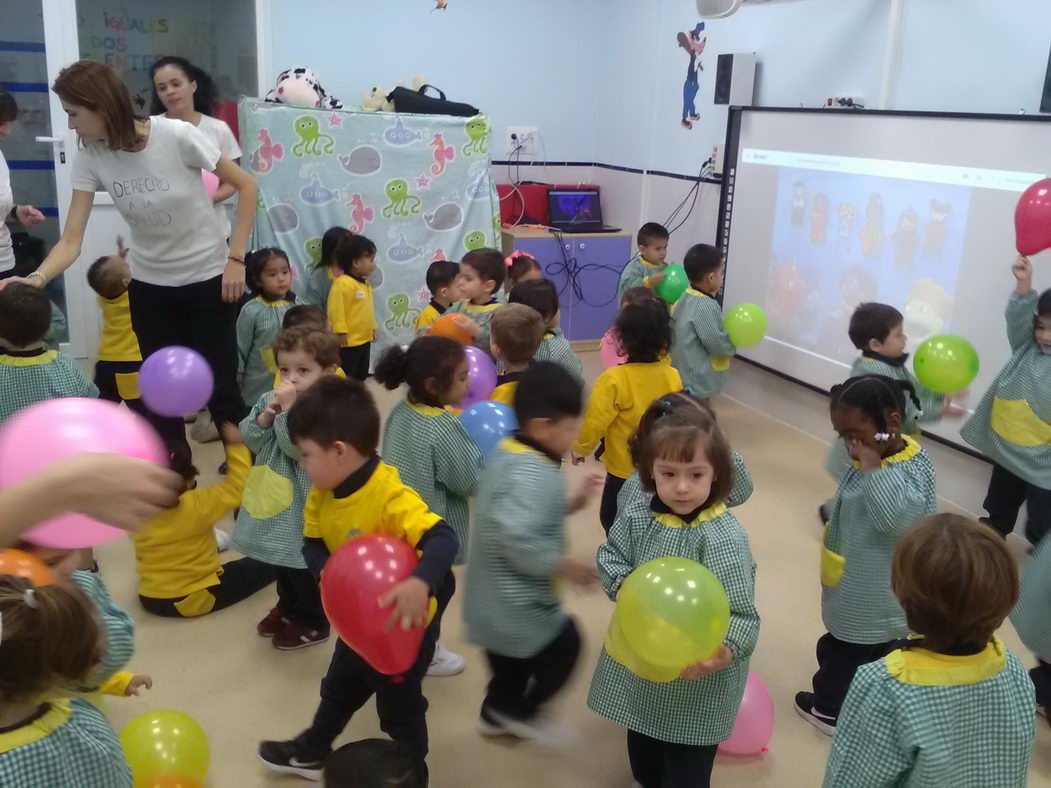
(182, 91)
(186, 281)
(26, 215)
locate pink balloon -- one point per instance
(211, 182)
(755, 720)
(1033, 218)
(610, 351)
(58, 429)
(481, 376)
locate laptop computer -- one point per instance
(577, 211)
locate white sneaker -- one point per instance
(445, 662)
(222, 539)
(540, 729)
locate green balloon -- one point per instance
(674, 284)
(945, 363)
(745, 324)
(673, 612)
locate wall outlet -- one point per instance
(845, 102)
(526, 136)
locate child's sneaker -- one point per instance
(292, 757)
(538, 729)
(488, 724)
(805, 709)
(293, 636)
(222, 539)
(272, 624)
(445, 662)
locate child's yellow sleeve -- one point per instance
(407, 517)
(117, 684)
(600, 413)
(337, 314)
(311, 510)
(206, 506)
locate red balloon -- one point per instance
(355, 577)
(1033, 218)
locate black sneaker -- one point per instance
(805, 709)
(291, 757)
(824, 512)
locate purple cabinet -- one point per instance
(585, 269)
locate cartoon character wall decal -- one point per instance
(819, 219)
(906, 238)
(937, 228)
(798, 214)
(400, 202)
(268, 151)
(871, 233)
(694, 46)
(401, 314)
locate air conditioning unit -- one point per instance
(716, 9)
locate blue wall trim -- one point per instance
(31, 164)
(21, 46)
(25, 87)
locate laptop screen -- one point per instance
(574, 206)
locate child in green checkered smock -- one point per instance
(674, 726)
(646, 269)
(953, 707)
(876, 330)
(701, 348)
(482, 275)
(50, 643)
(631, 493)
(270, 278)
(1032, 618)
(542, 295)
(269, 525)
(427, 444)
(517, 562)
(1012, 424)
(890, 486)
(315, 284)
(29, 372)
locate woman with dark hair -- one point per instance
(26, 215)
(182, 91)
(186, 281)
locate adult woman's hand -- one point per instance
(233, 281)
(28, 215)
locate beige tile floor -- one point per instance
(242, 690)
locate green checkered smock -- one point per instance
(47, 374)
(1012, 424)
(634, 274)
(556, 348)
(437, 458)
(257, 327)
(921, 719)
(838, 461)
(871, 511)
(1032, 615)
(269, 526)
(700, 348)
(480, 314)
(632, 493)
(119, 626)
(511, 605)
(699, 712)
(70, 746)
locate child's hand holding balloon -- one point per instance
(1023, 272)
(720, 660)
(410, 600)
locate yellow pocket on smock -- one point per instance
(831, 564)
(267, 493)
(720, 363)
(267, 354)
(1014, 421)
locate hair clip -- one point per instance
(882, 437)
(29, 597)
(666, 407)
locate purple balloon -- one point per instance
(481, 376)
(175, 381)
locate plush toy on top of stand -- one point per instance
(375, 99)
(299, 86)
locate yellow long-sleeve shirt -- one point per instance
(351, 311)
(175, 553)
(618, 400)
(117, 341)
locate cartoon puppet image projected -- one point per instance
(694, 46)
(871, 232)
(819, 219)
(906, 238)
(937, 229)
(798, 213)
(927, 310)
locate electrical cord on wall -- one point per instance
(515, 181)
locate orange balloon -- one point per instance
(171, 781)
(20, 564)
(447, 326)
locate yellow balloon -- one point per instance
(673, 612)
(163, 743)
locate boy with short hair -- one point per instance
(954, 707)
(700, 347)
(517, 555)
(336, 427)
(310, 315)
(515, 334)
(482, 274)
(119, 359)
(647, 268)
(441, 276)
(29, 372)
(542, 295)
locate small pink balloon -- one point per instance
(481, 376)
(610, 351)
(211, 182)
(755, 720)
(43, 434)
(1033, 218)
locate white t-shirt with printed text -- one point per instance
(176, 238)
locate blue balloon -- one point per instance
(487, 423)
